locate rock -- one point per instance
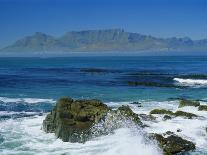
(128, 113)
(179, 130)
(202, 108)
(184, 114)
(176, 114)
(161, 111)
(173, 144)
(71, 120)
(138, 104)
(74, 120)
(166, 117)
(185, 102)
(146, 117)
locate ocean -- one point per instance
(29, 88)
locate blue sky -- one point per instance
(161, 18)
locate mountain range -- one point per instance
(102, 40)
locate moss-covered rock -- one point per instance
(184, 114)
(185, 102)
(202, 108)
(173, 144)
(146, 117)
(161, 111)
(176, 114)
(73, 120)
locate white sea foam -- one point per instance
(26, 100)
(24, 136)
(191, 82)
(191, 129)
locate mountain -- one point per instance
(103, 40)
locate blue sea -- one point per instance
(29, 88)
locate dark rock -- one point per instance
(185, 102)
(173, 144)
(179, 130)
(202, 108)
(137, 103)
(166, 117)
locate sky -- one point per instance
(160, 18)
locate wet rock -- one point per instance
(173, 144)
(185, 102)
(73, 120)
(202, 108)
(166, 117)
(179, 130)
(184, 114)
(176, 114)
(128, 113)
(161, 111)
(146, 117)
(138, 104)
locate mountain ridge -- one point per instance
(103, 40)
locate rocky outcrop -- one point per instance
(202, 108)
(175, 114)
(73, 120)
(173, 144)
(185, 102)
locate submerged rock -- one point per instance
(73, 120)
(173, 144)
(202, 108)
(185, 102)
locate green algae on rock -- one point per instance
(175, 114)
(173, 144)
(202, 108)
(73, 120)
(161, 111)
(185, 102)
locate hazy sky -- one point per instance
(161, 18)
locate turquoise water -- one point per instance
(29, 88)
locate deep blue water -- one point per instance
(31, 86)
(105, 78)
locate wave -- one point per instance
(26, 100)
(32, 140)
(191, 82)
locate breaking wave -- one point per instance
(191, 82)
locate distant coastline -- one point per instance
(104, 42)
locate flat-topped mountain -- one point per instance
(103, 40)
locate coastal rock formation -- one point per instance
(175, 114)
(173, 144)
(202, 108)
(72, 120)
(80, 120)
(185, 102)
